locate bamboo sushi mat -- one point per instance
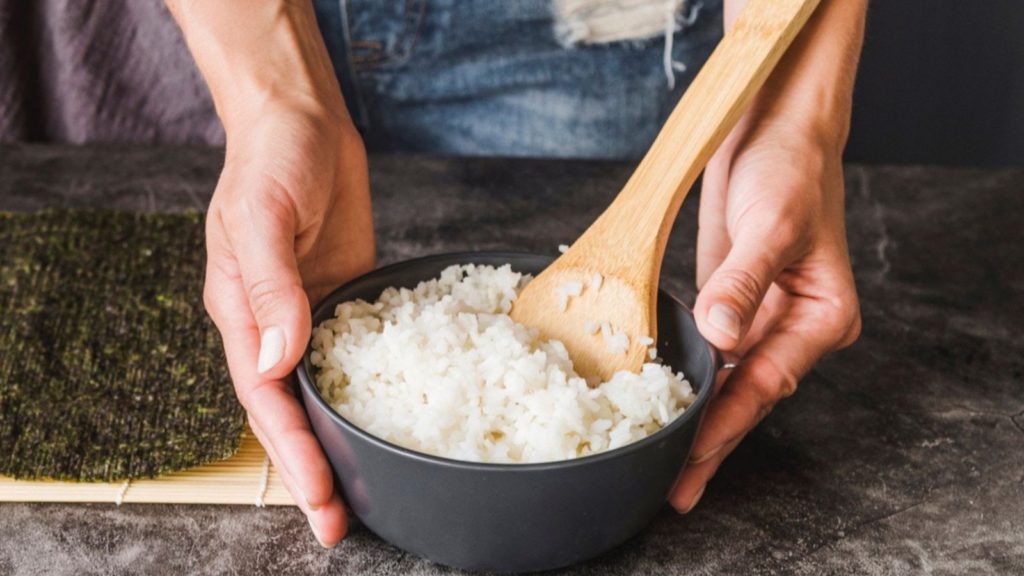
(127, 272)
(245, 478)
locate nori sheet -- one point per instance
(109, 366)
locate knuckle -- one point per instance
(218, 272)
(775, 389)
(352, 144)
(847, 320)
(250, 394)
(746, 288)
(268, 204)
(253, 425)
(770, 383)
(776, 223)
(209, 301)
(787, 231)
(266, 295)
(271, 206)
(853, 330)
(233, 218)
(779, 223)
(785, 387)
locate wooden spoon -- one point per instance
(625, 245)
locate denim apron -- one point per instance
(489, 77)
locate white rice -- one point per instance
(571, 288)
(444, 370)
(616, 342)
(566, 292)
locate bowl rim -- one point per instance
(302, 371)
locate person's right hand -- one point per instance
(289, 221)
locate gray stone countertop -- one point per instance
(901, 455)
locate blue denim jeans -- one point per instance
(489, 77)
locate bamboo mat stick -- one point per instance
(241, 479)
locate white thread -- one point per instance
(119, 499)
(671, 25)
(264, 482)
(670, 31)
(691, 18)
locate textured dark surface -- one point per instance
(901, 455)
(111, 368)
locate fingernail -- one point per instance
(726, 320)
(271, 348)
(316, 534)
(696, 499)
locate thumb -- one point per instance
(729, 300)
(264, 244)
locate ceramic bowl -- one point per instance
(508, 517)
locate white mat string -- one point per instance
(119, 499)
(264, 482)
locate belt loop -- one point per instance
(332, 18)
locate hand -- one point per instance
(776, 290)
(289, 221)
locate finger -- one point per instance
(694, 479)
(713, 239)
(268, 401)
(733, 413)
(689, 486)
(284, 422)
(747, 396)
(329, 522)
(728, 302)
(713, 242)
(767, 374)
(261, 230)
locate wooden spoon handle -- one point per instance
(635, 228)
(623, 249)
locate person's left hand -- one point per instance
(776, 290)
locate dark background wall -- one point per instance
(941, 81)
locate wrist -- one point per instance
(816, 120)
(273, 56)
(811, 90)
(257, 116)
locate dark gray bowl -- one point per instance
(508, 517)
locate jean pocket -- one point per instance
(382, 33)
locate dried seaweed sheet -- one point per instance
(109, 367)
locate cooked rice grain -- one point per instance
(443, 369)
